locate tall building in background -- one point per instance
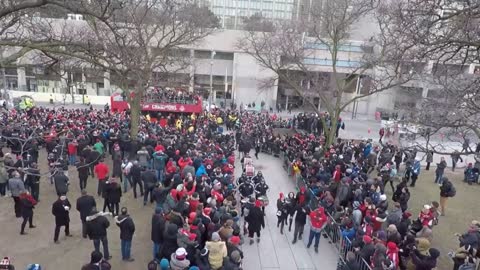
(232, 12)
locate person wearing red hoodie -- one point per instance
(337, 174)
(318, 220)
(101, 170)
(392, 253)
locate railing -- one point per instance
(333, 230)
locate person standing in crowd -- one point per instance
(83, 172)
(97, 225)
(317, 221)
(282, 212)
(179, 261)
(217, 251)
(149, 179)
(99, 147)
(16, 187)
(85, 204)
(61, 183)
(136, 175)
(351, 262)
(28, 203)
(127, 229)
(61, 211)
(429, 160)
(440, 170)
(455, 158)
(97, 262)
(447, 190)
(72, 152)
(415, 171)
(158, 228)
(3, 176)
(113, 193)
(32, 180)
(127, 178)
(159, 161)
(101, 170)
(256, 221)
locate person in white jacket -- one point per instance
(126, 166)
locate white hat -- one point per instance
(181, 253)
(426, 206)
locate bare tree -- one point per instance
(130, 41)
(298, 51)
(443, 37)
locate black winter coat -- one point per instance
(27, 207)
(97, 226)
(83, 170)
(169, 241)
(149, 179)
(301, 216)
(85, 205)
(113, 192)
(127, 227)
(62, 216)
(158, 228)
(255, 219)
(61, 183)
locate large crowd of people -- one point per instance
(170, 95)
(186, 169)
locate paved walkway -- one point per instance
(275, 251)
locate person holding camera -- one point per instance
(61, 211)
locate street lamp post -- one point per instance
(210, 101)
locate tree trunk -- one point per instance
(135, 113)
(330, 134)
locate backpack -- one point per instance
(452, 192)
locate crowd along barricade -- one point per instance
(333, 232)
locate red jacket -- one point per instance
(426, 218)
(337, 175)
(318, 219)
(72, 148)
(101, 170)
(170, 168)
(193, 205)
(184, 162)
(217, 196)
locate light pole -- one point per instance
(210, 99)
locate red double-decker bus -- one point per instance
(154, 103)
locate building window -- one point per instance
(12, 83)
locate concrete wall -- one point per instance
(248, 82)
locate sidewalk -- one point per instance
(275, 251)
